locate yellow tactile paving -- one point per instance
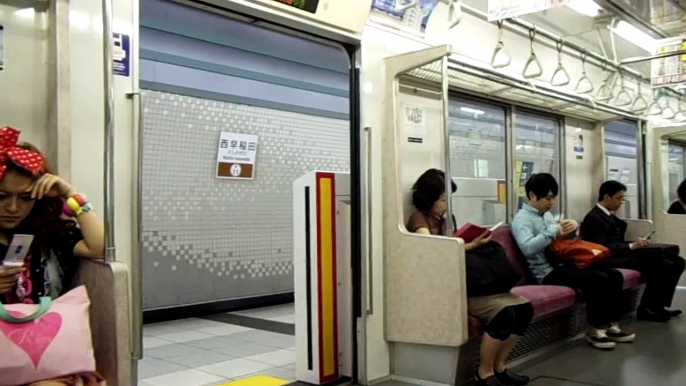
(259, 380)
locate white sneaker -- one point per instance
(615, 334)
(599, 339)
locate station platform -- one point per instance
(255, 347)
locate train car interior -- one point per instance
(254, 163)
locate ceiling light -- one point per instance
(472, 111)
(25, 13)
(635, 36)
(585, 7)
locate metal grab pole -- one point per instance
(136, 263)
(108, 88)
(445, 120)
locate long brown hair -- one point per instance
(45, 221)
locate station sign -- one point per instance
(505, 9)
(670, 71)
(236, 156)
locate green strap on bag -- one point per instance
(43, 308)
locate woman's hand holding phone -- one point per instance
(8, 278)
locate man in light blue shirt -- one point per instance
(534, 228)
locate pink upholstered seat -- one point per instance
(546, 299)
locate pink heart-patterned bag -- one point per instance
(45, 341)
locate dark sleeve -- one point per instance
(676, 208)
(416, 221)
(592, 230)
(62, 246)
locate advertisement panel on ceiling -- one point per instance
(670, 71)
(415, 17)
(505, 9)
(306, 5)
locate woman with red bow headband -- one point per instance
(34, 201)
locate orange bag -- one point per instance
(584, 253)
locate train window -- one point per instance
(677, 168)
(478, 162)
(621, 138)
(536, 150)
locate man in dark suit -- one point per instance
(661, 273)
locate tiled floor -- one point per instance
(198, 352)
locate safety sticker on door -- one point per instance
(121, 54)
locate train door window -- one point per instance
(621, 143)
(677, 167)
(537, 150)
(478, 162)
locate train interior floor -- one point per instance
(220, 349)
(251, 345)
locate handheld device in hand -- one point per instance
(496, 226)
(17, 251)
(650, 235)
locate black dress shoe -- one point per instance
(510, 378)
(651, 316)
(490, 381)
(672, 313)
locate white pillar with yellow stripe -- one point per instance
(322, 276)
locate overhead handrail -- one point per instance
(533, 59)
(541, 89)
(640, 103)
(560, 68)
(400, 7)
(598, 58)
(624, 92)
(584, 78)
(454, 13)
(500, 49)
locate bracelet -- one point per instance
(76, 206)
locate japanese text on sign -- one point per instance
(505, 9)
(237, 155)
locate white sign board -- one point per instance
(671, 71)
(505, 9)
(236, 156)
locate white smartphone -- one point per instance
(561, 217)
(496, 226)
(17, 251)
(650, 235)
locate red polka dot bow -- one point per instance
(25, 159)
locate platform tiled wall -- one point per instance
(207, 239)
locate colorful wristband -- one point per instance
(76, 206)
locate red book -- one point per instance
(469, 231)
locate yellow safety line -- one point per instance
(258, 380)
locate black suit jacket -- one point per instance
(602, 229)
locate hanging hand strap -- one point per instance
(454, 13)
(43, 308)
(532, 59)
(560, 68)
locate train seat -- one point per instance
(632, 279)
(547, 300)
(108, 289)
